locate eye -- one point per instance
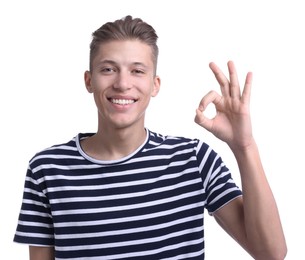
(108, 70)
(138, 71)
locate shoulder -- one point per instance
(60, 150)
(161, 139)
(157, 140)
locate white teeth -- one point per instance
(122, 101)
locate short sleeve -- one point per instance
(218, 183)
(35, 225)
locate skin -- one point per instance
(41, 252)
(124, 70)
(121, 70)
(253, 220)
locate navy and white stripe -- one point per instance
(148, 205)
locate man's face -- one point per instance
(122, 81)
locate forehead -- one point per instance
(125, 51)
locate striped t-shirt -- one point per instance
(148, 205)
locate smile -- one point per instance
(122, 101)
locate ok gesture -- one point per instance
(232, 123)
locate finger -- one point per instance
(221, 78)
(210, 97)
(245, 98)
(201, 118)
(203, 121)
(234, 83)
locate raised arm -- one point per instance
(253, 220)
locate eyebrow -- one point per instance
(107, 61)
(112, 62)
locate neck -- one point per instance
(113, 144)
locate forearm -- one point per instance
(262, 222)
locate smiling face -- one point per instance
(122, 81)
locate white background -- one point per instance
(44, 50)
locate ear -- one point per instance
(87, 78)
(157, 84)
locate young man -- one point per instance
(128, 192)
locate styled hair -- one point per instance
(127, 28)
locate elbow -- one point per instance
(278, 253)
(281, 255)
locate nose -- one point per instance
(122, 81)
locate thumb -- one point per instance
(202, 120)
